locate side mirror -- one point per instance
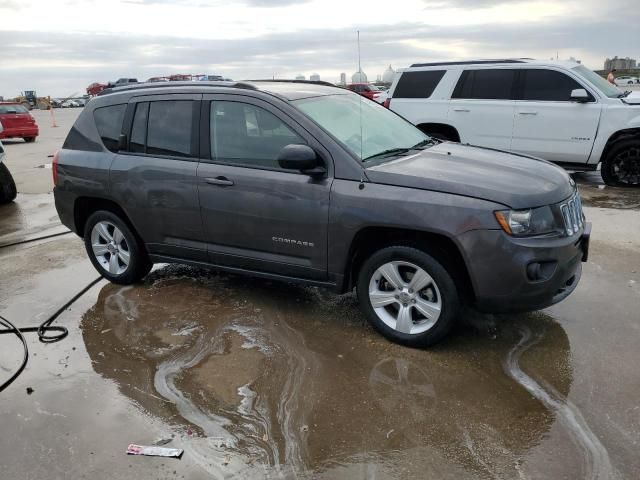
(579, 95)
(123, 142)
(300, 157)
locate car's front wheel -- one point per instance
(408, 296)
(115, 251)
(621, 167)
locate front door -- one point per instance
(256, 215)
(548, 124)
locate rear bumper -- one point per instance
(516, 275)
(20, 132)
(65, 203)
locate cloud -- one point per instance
(57, 63)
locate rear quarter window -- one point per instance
(418, 84)
(109, 124)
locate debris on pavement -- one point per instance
(154, 451)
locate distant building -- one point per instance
(314, 77)
(619, 63)
(301, 77)
(359, 77)
(573, 59)
(343, 78)
(387, 76)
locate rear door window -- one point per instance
(486, 84)
(139, 128)
(170, 128)
(418, 84)
(547, 85)
(109, 124)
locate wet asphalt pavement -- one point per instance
(257, 379)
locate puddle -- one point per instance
(280, 380)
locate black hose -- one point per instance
(43, 330)
(35, 239)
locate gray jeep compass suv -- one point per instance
(310, 183)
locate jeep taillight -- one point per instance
(54, 167)
(387, 103)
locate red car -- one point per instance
(365, 90)
(17, 122)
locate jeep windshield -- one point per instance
(597, 81)
(368, 130)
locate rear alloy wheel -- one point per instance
(621, 168)
(114, 250)
(408, 296)
(8, 189)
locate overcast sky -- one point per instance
(58, 47)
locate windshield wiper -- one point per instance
(624, 94)
(384, 153)
(425, 143)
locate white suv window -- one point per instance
(486, 84)
(547, 85)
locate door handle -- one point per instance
(222, 181)
(461, 110)
(528, 113)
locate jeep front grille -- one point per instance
(572, 214)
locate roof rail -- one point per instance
(312, 82)
(144, 85)
(472, 62)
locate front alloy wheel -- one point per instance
(622, 166)
(407, 295)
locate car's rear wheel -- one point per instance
(408, 296)
(29, 139)
(8, 189)
(621, 167)
(115, 251)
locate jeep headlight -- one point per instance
(524, 223)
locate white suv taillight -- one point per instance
(54, 167)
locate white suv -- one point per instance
(560, 111)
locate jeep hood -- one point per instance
(514, 180)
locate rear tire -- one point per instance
(115, 251)
(8, 189)
(416, 299)
(621, 167)
(29, 139)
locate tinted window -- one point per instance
(170, 128)
(13, 109)
(548, 85)
(109, 124)
(485, 84)
(418, 84)
(139, 128)
(248, 135)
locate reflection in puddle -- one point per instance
(277, 380)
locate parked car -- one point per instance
(17, 122)
(307, 183)
(626, 80)
(560, 111)
(8, 190)
(369, 91)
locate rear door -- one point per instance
(256, 215)
(482, 107)
(547, 123)
(155, 179)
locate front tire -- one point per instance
(408, 296)
(115, 251)
(621, 167)
(8, 189)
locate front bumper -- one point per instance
(522, 274)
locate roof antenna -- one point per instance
(360, 81)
